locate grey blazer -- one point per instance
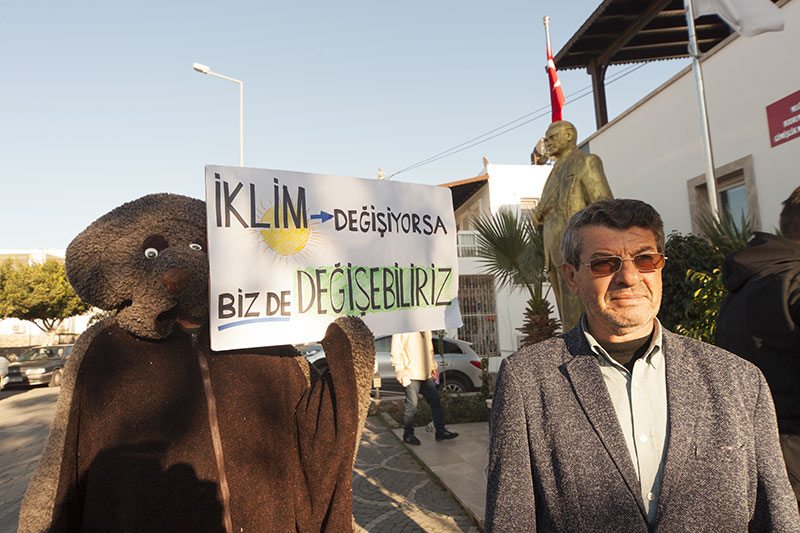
(558, 459)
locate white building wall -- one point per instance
(653, 149)
(507, 186)
(32, 256)
(475, 206)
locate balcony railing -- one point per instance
(467, 243)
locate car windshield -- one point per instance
(383, 344)
(36, 354)
(449, 347)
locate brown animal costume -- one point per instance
(155, 432)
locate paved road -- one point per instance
(25, 417)
(391, 491)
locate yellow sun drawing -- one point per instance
(284, 241)
(290, 245)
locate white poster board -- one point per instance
(290, 252)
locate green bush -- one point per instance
(457, 409)
(486, 379)
(693, 291)
(684, 253)
(704, 307)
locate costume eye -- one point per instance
(153, 245)
(195, 246)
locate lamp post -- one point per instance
(205, 69)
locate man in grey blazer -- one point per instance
(620, 425)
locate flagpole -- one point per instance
(546, 21)
(557, 100)
(694, 51)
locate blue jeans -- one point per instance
(431, 395)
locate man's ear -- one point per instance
(570, 273)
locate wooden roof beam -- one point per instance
(646, 17)
(598, 65)
(682, 42)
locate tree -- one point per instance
(685, 253)
(511, 249)
(705, 306)
(539, 323)
(6, 271)
(39, 293)
(725, 234)
(693, 289)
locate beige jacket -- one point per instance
(412, 354)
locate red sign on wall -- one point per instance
(783, 118)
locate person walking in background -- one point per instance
(760, 320)
(621, 425)
(416, 370)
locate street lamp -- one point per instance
(205, 69)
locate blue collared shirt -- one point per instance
(640, 401)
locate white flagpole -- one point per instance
(694, 50)
(546, 21)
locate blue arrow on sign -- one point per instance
(322, 216)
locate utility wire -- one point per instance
(480, 138)
(536, 114)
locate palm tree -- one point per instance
(511, 249)
(724, 233)
(507, 248)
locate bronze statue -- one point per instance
(577, 180)
(539, 155)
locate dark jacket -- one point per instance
(558, 460)
(760, 318)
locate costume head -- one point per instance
(147, 260)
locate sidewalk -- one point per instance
(392, 492)
(460, 464)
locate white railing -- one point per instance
(467, 243)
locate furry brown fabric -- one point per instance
(131, 448)
(37, 506)
(361, 344)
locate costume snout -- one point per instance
(175, 280)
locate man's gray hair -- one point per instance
(620, 213)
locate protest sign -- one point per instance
(289, 252)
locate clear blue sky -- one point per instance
(99, 103)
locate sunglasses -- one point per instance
(605, 266)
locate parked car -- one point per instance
(461, 368)
(39, 366)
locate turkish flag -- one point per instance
(557, 99)
(746, 17)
